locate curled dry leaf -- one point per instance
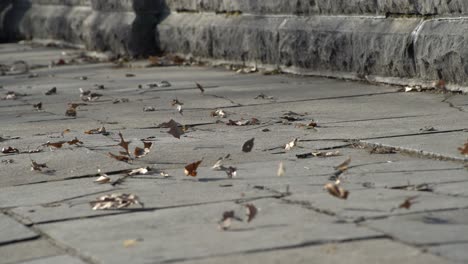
(95, 131)
(251, 212)
(408, 202)
(312, 124)
(115, 201)
(464, 150)
(9, 150)
(65, 132)
(175, 128)
(37, 166)
(191, 169)
(58, 144)
(337, 191)
(52, 91)
(124, 144)
(38, 106)
(291, 144)
(71, 110)
(140, 152)
(343, 166)
(242, 122)
(225, 222)
(281, 169)
(199, 86)
(141, 171)
(75, 141)
(219, 113)
(149, 109)
(248, 145)
(102, 179)
(263, 96)
(119, 157)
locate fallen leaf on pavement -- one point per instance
(115, 201)
(408, 202)
(219, 113)
(191, 169)
(225, 222)
(281, 169)
(94, 131)
(141, 171)
(464, 150)
(291, 144)
(251, 212)
(248, 145)
(263, 96)
(175, 128)
(75, 141)
(119, 157)
(124, 144)
(335, 190)
(55, 144)
(53, 90)
(202, 90)
(140, 152)
(37, 166)
(103, 178)
(312, 124)
(9, 150)
(343, 166)
(252, 121)
(38, 106)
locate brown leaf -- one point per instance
(191, 169)
(248, 145)
(335, 190)
(38, 106)
(53, 90)
(251, 212)
(408, 202)
(71, 112)
(119, 157)
(344, 165)
(37, 166)
(115, 201)
(55, 144)
(225, 222)
(464, 150)
(202, 90)
(75, 141)
(9, 150)
(94, 131)
(124, 144)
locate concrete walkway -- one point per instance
(403, 147)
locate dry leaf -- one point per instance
(225, 222)
(291, 144)
(326, 154)
(129, 75)
(344, 165)
(124, 144)
(119, 157)
(281, 169)
(115, 201)
(263, 96)
(312, 124)
(55, 144)
(9, 150)
(179, 109)
(219, 113)
(248, 145)
(408, 202)
(94, 131)
(75, 141)
(191, 169)
(149, 109)
(464, 150)
(382, 150)
(252, 121)
(130, 243)
(65, 132)
(175, 102)
(141, 171)
(219, 163)
(175, 129)
(202, 90)
(230, 171)
(38, 106)
(102, 179)
(37, 166)
(51, 91)
(335, 190)
(251, 212)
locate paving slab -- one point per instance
(13, 231)
(55, 259)
(195, 233)
(375, 251)
(441, 232)
(27, 251)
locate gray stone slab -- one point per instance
(27, 250)
(426, 229)
(63, 163)
(12, 231)
(55, 259)
(456, 252)
(437, 145)
(373, 251)
(196, 234)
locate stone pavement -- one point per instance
(401, 145)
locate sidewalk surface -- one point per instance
(403, 147)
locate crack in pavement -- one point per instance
(374, 119)
(450, 104)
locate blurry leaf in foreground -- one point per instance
(115, 201)
(225, 222)
(335, 190)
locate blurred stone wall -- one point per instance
(394, 40)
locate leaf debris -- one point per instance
(115, 201)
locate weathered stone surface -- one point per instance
(55, 260)
(13, 231)
(27, 251)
